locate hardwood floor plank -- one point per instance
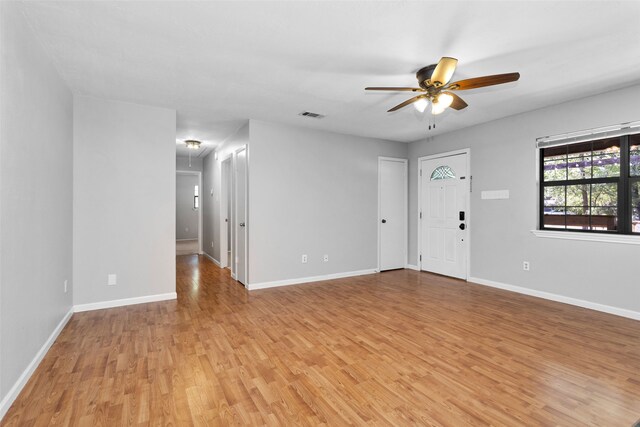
(397, 348)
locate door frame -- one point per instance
(199, 174)
(226, 184)
(406, 206)
(246, 211)
(469, 217)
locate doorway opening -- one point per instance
(188, 212)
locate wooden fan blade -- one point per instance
(404, 89)
(457, 103)
(477, 82)
(405, 103)
(444, 71)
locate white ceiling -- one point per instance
(221, 63)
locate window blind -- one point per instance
(588, 135)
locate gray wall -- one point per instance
(186, 215)
(211, 180)
(182, 164)
(314, 193)
(124, 200)
(503, 156)
(36, 134)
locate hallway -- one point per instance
(186, 247)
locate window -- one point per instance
(196, 198)
(591, 186)
(442, 172)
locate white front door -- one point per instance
(444, 187)
(241, 216)
(392, 215)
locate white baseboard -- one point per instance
(186, 240)
(287, 282)
(8, 399)
(122, 302)
(213, 260)
(559, 298)
(412, 267)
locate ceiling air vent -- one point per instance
(311, 115)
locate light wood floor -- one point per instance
(398, 348)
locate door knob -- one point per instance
(384, 221)
(462, 226)
(241, 224)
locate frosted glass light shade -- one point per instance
(421, 104)
(441, 102)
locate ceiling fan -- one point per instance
(435, 87)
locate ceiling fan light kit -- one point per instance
(434, 87)
(441, 102)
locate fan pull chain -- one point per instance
(434, 122)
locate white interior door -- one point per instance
(392, 213)
(226, 242)
(444, 185)
(241, 215)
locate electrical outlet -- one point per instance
(112, 279)
(212, 243)
(186, 229)
(66, 282)
(325, 258)
(304, 259)
(525, 265)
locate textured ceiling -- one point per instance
(222, 63)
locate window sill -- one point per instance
(591, 237)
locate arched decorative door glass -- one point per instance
(442, 172)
